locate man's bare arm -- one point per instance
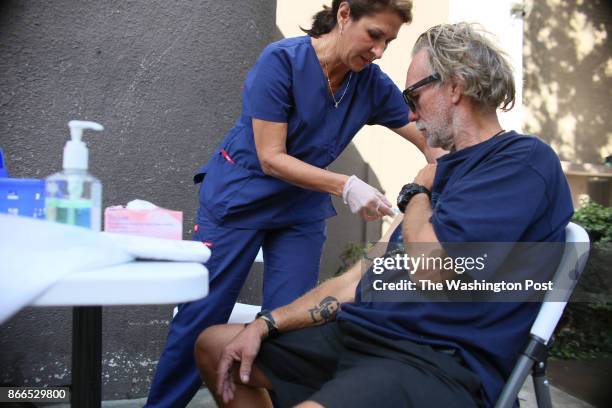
(322, 303)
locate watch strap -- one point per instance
(412, 190)
(266, 316)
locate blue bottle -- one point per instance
(18, 196)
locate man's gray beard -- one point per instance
(445, 142)
(437, 139)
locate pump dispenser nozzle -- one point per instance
(76, 155)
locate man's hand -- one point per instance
(426, 175)
(243, 348)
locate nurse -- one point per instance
(267, 184)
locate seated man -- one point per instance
(337, 349)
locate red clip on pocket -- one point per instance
(227, 156)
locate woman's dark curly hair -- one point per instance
(325, 20)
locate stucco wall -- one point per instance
(568, 77)
(164, 78)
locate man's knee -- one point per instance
(208, 348)
(309, 404)
(209, 344)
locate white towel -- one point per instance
(34, 254)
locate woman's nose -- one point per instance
(378, 50)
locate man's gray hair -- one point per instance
(460, 52)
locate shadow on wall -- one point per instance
(568, 77)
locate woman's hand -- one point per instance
(243, 349)
(365, 200)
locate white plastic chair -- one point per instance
(533, 358)
(241, 313)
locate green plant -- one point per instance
(596, 219)
(585, 330)
(351, 254)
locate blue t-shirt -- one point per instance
(509, 188)
(287, 85)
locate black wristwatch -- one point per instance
(409, 191)
(266, 316)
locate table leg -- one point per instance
(86, 357)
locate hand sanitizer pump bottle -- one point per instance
(73, 196)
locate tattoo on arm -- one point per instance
(325, 311)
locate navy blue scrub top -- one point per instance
(287, 85)
(510, 188)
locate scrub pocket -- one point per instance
(222, 182)
(267, 196)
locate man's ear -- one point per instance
(456, 90)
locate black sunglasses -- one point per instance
(406, 94)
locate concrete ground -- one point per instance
(203, 399)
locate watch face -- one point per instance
(403, 198)
(407, 192)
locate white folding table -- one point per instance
(47, 264)
(133, 283)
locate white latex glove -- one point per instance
(364, 199)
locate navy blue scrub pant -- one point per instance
(291, 268)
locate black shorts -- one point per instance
(341, 364)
